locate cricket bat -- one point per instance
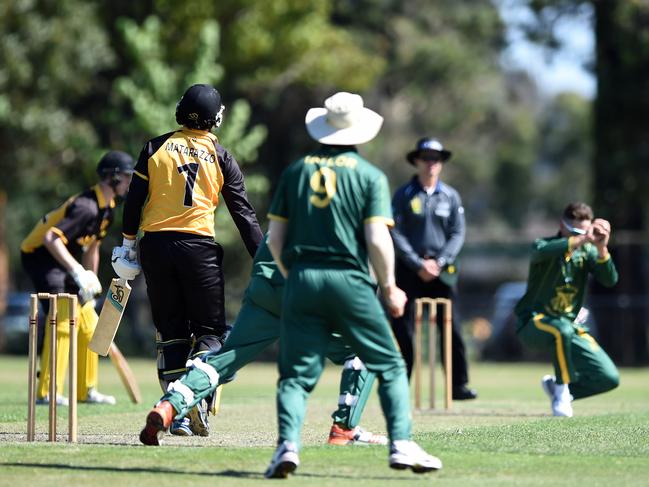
(110, 316)
(125, 373)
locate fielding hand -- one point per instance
(601, 230)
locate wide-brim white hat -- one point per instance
(343, 121)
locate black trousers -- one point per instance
(184, 282)
(404, 327)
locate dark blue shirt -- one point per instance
(427, 225)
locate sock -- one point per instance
(561, 391)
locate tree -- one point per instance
(46, 74)
(621, 158)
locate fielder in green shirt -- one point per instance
(549, 315)
(330, 213)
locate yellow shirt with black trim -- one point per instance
(80, 221)
(326, 198)
(176, 186)
(184, 184)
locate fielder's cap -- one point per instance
(343, 121)
(428, 145)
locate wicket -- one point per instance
(53, 300)
(432, 304)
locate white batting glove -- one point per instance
(125, 261)
(88, 282)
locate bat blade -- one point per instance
(110, 316)
(125, 373)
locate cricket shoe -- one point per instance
(561, 401)
(284, 462)
(198, 422)
(60, 400)
(408, 454)
(157, 422)
(548, 383)
(562, 407)
(96, 397)
(355, 436)
(181, 427)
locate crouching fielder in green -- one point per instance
(257, 327)
(548, 313)
(332, 209)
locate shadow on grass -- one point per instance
(168, 471)
(479, 413)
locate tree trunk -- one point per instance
(621, 174)
(4, 255)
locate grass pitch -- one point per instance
(506, 437)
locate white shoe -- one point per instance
(362, 437)
(561, 403)
(96, 397)
(561, 406)
(284, 461)
(181, 427)
(548, 383)
(408, 454)
(60, 400)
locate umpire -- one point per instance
(178, 180)
(428, 235)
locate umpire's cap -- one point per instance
(428, 145)
(200, 107)
(115, 162)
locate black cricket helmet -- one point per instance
(200, 107)
(115, 162)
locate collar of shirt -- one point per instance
(101, 201)
(417, 184)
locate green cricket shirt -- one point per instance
(558, 277)
(326, 198)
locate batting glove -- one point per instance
(124, 260)
(89, 285)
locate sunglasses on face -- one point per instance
(574, 230)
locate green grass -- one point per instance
(506, 437)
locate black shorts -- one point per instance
(47, 274)
(184, 282)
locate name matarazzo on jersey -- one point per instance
(199, 154)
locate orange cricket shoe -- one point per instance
(157, 423)
(356, 436)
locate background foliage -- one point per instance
(80, 77)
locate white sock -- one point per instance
(561, 391)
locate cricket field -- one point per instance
(506, 437)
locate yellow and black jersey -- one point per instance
(81, 220)
(176, 186)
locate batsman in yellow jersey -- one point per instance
(179, 178)
(61, 254)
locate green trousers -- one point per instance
(256, 328)
(578, 359)
(317, 303)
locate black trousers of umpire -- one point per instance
(184, 281)
(404, 327)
